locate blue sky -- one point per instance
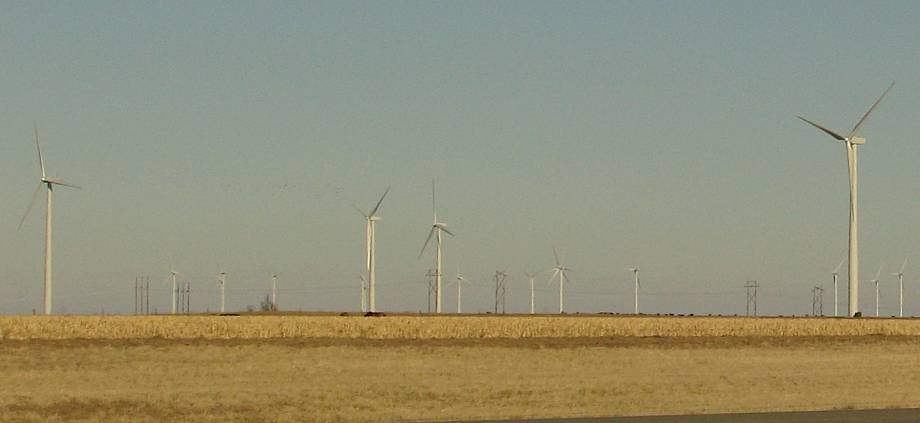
(661, 134)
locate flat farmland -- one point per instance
(420, 368)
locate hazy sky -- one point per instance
(658, 134)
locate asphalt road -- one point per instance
(910, 415)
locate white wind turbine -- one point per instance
(635, 271)
(851, 142)
(274, 292)
(900, 276)
(172, 276)
(875, 280)
(836, 269)
(460, 281)
(436, 229)
(371, 263)
(560, 270)
(531, 277)
(49, 183)
(222, 283)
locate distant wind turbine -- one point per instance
(531, 277)
(222, 283)
(875, 280)
(371, 268)
(275, 292)
(852, 142)
(900, 276)
(836, 269)
(172, 276)
(635, 271)
(363, 294)
(560, 270)
(436, 230)
(49, 183)
(460, 281)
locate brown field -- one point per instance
(352, 369)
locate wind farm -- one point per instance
(592, 211)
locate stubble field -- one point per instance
(412, 368)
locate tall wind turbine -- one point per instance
(875, 280)
(371, 268)
(172, 275)
(460, 281)
(851, 142)
(836, 269)
(531, 277)
(436, 230)
(49, 183)
(560, 270)
(222, 282)
(900, 276)
(274, 292)
(635, 271)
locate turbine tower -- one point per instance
(222, 282)
(900, 276)
(436, 230)
(851, 142)
(560, 270)
(371, 264)
(531, 277)
(635, 271)
(49, 183)
(836, 269)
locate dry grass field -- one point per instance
(353, 369)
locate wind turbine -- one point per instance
(635, 271)
(531, 277)
(900, 276)
(275, 292)
(836, 269)
(851, 142)
(372, 219)
(459, 281)
(49, 183)
(560, 270)
(172, 275)
(875, 280)
(436, 229)
(222, 282)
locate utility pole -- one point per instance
(429, 278)
(500, 277)
(751, 288)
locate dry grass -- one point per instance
(435, 327)
(360, 380)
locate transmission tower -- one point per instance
(751, 288)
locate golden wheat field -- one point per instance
(440, 368)
(435, 327)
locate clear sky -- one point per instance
(238, 135)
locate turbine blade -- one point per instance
(31, 205)
(427, 240)
(447, 231)
(866, 116)
(553, 277)
(41, 162)
(377, 207)
(827, 131)
(434, 208)
(879, 272)
(836, 269)
(902, 266)
(62, 183)
(360, 211)
(556, 255)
